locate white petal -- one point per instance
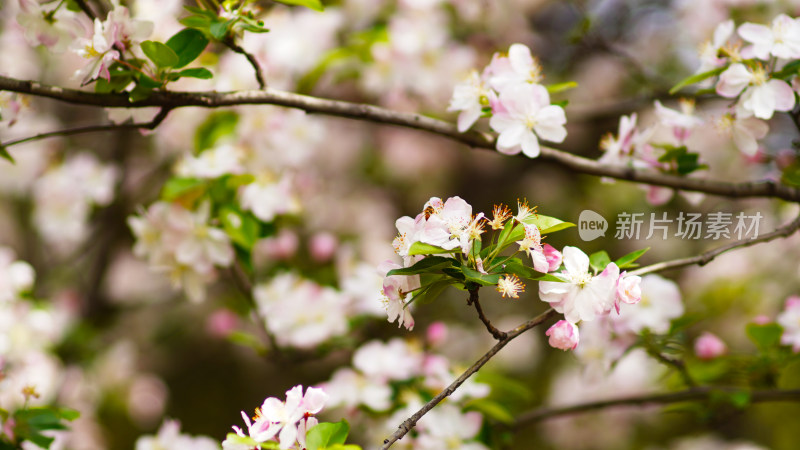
(575, 261)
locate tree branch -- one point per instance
(358, 111)
(692, 394)
(231, 44)
(704, 258)
(474, 300)
(409, 423)
(151, 125)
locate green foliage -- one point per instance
(161, 54)
(326, 434)
(681, 160)
(316, 5)
(421, 248)
(5, 155)
(599, 260)
(429, 264)
(696, 79)
(187, 44)
(791, 175)
(30, 423)
(766, 337)
(628, 261)
(243, 228)
(560, 87)
(219, 124)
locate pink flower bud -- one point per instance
(221, 323)
(629, 289)
(322, 246)
(436, 333)
(553, 256)
(279, 247)
(709, 346)
(761, 319)
(563, 335)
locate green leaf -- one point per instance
(68, 414)
(316, 5)
(326, 434)
(560, 87)
(432, 290)
(428, 264)
(187, 44)
(243, 441)
(161, 55)
(684, 162)
(627, 261)
(599, 260)
(491, 409)
(219, 29)
(420, 248)
(789, 70)
(5, 155)
(176, 188)
(764, 336)
(196, 72)
(197, 22)
(696, 78)
(148, 83)
(480, 278)
(243, 229)
(546, 225)
(246, 340)
(218, 124)
(791, 175)
(139, 93)
(549, 277)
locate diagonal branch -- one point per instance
(370, 113)
(231, 44)
(704, 258)
(693, 394)
(151, 125)
(475, 300)
(409, 423)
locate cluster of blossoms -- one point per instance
(287, 422)
(183, 244)
(582, 296)
(384, 373)
(65, 195)
(509, 91)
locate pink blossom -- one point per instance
(323, 246)
(581, 296)
(553, 257)
(470, 97)
(527, 116)
(436, 333)
(789, 319)
(397, 292)
(519, 67)
(629, 289)
(532, 245)
(781, 40)
(563, 335)
(760, 95)
(709, 346)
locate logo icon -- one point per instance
(591, 225)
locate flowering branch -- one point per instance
(409, 423)
(474, 300)
(704, 258)
(692, 394)
(151, 125)
(359, 111)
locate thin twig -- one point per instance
(245, 286)
(376, 114)
(706, 257)
(231, 44)
(409, 423)
(86, 9)
(692, 394)
(151, 125)
(677, 364)
(474, 300)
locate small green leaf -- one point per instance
(764, 336)
(549, 277)
(696, 78)
(316, 5)
(243, 229)
(425, 265)
(241, 441)
(176, 188)
(791, 175)
(480, 278)
(5, 155)
(789, 70)
(432, 291)
(187, 44)
(219, 29)
(68, 414)
(196, 72)
(420, 248)
(560, 87)
(161, 55)
(491, 409)
(218, 125)
(246, 340)
(599, 260)
(197, 22)
(627, 261)
(326, 434)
